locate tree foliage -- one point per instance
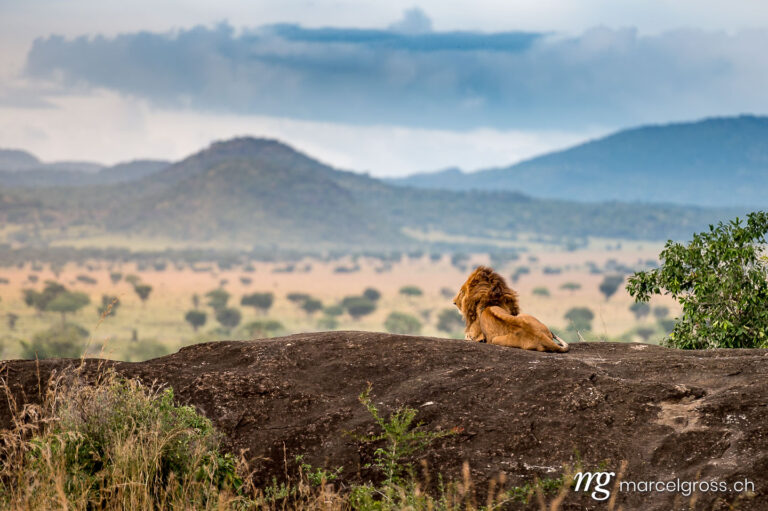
(260, 301)
(449, 321)
(640, 310)
(720, 278)
(195, 318)
(610, 285)
(402, 323)
(579, 318)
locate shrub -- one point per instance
(358, 306)
(610, 285)
(145, 349)
(449, 320)
(143, 291)
(86, 279)
(264, 328)
(217, 298)
(297, 298)
(372, 294)
(401, 323)
(259, 301)
(89, 446)
(65, 341)
(195, 318)
(571, 286)
(328, 323)
(541, 291)
(115, 277)
(640, 310)
(411, 291)
(229, 317)
(720, 279)
(334, 310)
(580, 319)
(311, 305)
(109, 305)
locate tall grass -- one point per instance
(115, 443)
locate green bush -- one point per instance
(358, 306)
(541, 291)
(579, 319)
(401, 323)
(450, 321)
(411, 291)
(264, 328)
(720, 279)
(117, 445)
(65, 341)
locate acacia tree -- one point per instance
(259, 301)
(720, 278)
(610, 285)
(195, 318)
(143, 290)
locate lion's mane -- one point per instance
(486, 288)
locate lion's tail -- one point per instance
(563, 348)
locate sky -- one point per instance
(388, 88)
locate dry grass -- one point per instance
(110, 443)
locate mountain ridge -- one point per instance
(683, 163)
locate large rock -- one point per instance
(687, 415)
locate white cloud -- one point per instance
(108, 128)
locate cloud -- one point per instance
(415, 21)
(407, 75)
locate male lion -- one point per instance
(492, 315)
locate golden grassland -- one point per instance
(161, 318)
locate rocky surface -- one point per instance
(687, 415)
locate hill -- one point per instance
(264, 193)
(521, 413)
(26, 171)
(684, 163)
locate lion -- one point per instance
(492, 314)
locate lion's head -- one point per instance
(485, 288)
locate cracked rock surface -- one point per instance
(670, 414)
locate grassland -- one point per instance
(160, 327)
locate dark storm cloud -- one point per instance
(409, 75)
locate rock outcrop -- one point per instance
(671, 415)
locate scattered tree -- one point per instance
(132, 279)
(66, 341)
(645, 332)
(372, 294)
(87, 279)
(229, 317)
(541, 291)
(12, 319)
(660, 312)
(333, 310)
(68, 301)
(610, 285)
(259, 301)
(195, 318)
(640, 310)
(297, 298)
(579, 319)
(401, 323)
(311, 305)
(217, 299)
(109, 305)
(411, 291)
(264, 328)
(720, 279)
(358, 306)
(143, 290)
(196, 301)
(115, 277)
(449, 321)
(571, 286)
